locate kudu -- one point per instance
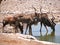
(33, 21)
(27, 18)
(43, 17)
(12, 21)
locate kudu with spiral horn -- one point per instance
(34, 16)
(46, 21)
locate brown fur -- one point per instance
(12, 20)
(0, 1)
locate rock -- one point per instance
(20, 39)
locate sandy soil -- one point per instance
(19, 39)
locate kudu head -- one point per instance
(53, 23)
(36, 15)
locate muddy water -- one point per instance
(44, 36)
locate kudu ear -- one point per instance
(33, 7)
(40, 9)
(53, 18)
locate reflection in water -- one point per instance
(44, 36)
(50, 36)
(47, 37)
(30, 27)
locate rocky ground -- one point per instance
(19, 39)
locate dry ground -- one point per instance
(19, 39)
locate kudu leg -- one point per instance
(26, 28)
(18, 25)
(3, 30)
(16, 29)
(46, 28)
(41, 26)
(21, 28)
(4, 24)
(30, 30)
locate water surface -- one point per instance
(44, 36)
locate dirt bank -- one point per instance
(19, 39)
